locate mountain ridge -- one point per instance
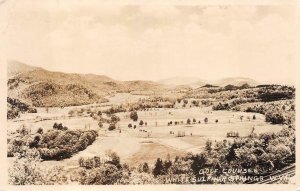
(197, 82)
(40, 87)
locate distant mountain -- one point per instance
(193, 82)
(196, 82)
(40, 87)
(15, 67)
(238, 81)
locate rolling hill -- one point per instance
(40, 87)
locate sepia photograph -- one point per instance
(102, 93)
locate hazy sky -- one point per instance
(152, 42)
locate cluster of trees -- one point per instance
(82, 112)
(189, 121)
(277, 112)
(184, 102)
(175, 123)
(265, 94)
(114, 119)
(59, 126)
(259, 93)
(232, 134)
(15, 107)
(95, 171)
(57, 145)
(263, 154)
(148, 105)
(52, 145)
(114, 110)
(279, 117)
(110, 118)
(90, 163)
(27, 170)
(274, 93)
(50, 94)
(130, 126)
(274, 101)
(228, 105)
(19, 142)
(141, 123)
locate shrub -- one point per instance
(114, 119)
(194, 120)
(188, 121)
(134, 116)
(205, 120)
(112, 127)
(141, 123)
(40, 130)
(60, 127)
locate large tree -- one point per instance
(134, 116)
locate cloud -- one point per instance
(153, 42)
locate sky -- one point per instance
(152, 41)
